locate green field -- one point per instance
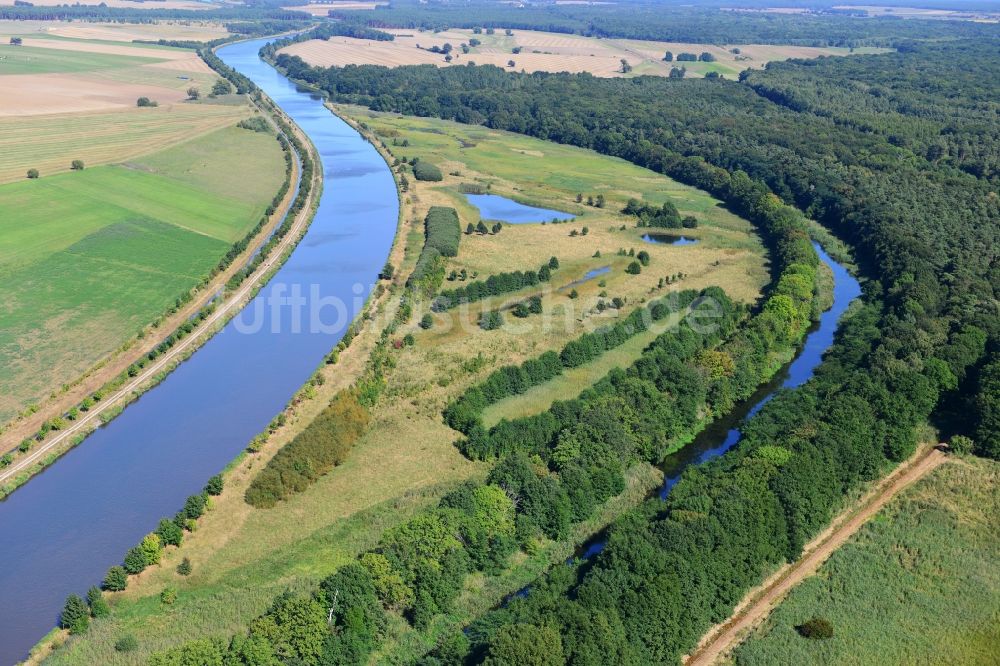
(88, 258)
(918, 585)
(33, 60)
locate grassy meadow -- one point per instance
(89, 258)
(243, 557)
(920, 582)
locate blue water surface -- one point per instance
(496, 207)
(64, 528)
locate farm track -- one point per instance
(759, 602)
(205, 330)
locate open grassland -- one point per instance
(919, 582)
(88, 258)
(243, 557)
(549, 52)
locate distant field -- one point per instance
(71, 99)
(50, 74)
(116, 32)
(920, 582)
(48, 143)
(88, 258)
(551, 52)
(127, 4)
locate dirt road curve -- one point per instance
(758, 604)
(232, 303)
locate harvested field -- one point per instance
(549, 52)
(116, 32)
(321, 9)
(40, 94)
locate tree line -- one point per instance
(657, 20)
(442, 234)
(494, 285)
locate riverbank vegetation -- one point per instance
(237, 575)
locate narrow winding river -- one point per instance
(725, 433)
(63, 529)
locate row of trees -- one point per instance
(442, 235)
(323, 444)
(494, 285)
(656, 20)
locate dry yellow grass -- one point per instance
(48, 142)
(542, 51)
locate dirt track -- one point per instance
(757, 605)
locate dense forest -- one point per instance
(664, 21)
(925, 226)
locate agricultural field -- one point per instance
(919, 582)
(198, 31)
(323, 8)
(243, 557)
(549, 52)
(89, 258)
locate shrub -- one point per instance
(442, 231)
(634, 268)
(32, 173)
(98, 604)
(146, 102)
(169, 532)
(75, 615)
(76, 165)
(255, 124)
(168, 595)
(489, 321)
(426, 321)
(135, 560)
(214, 485)
(323, 444)
(817, 628)
(423, 170)
(115, 580)
(184, 568)
(127, 643)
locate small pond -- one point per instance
(669, 239)
(496, 207)
(589, 275)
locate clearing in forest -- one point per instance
(550, 52)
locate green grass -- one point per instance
(570, 383)
(88, 258)
(34, 60)
(918, 585)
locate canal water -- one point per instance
(64, 528)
